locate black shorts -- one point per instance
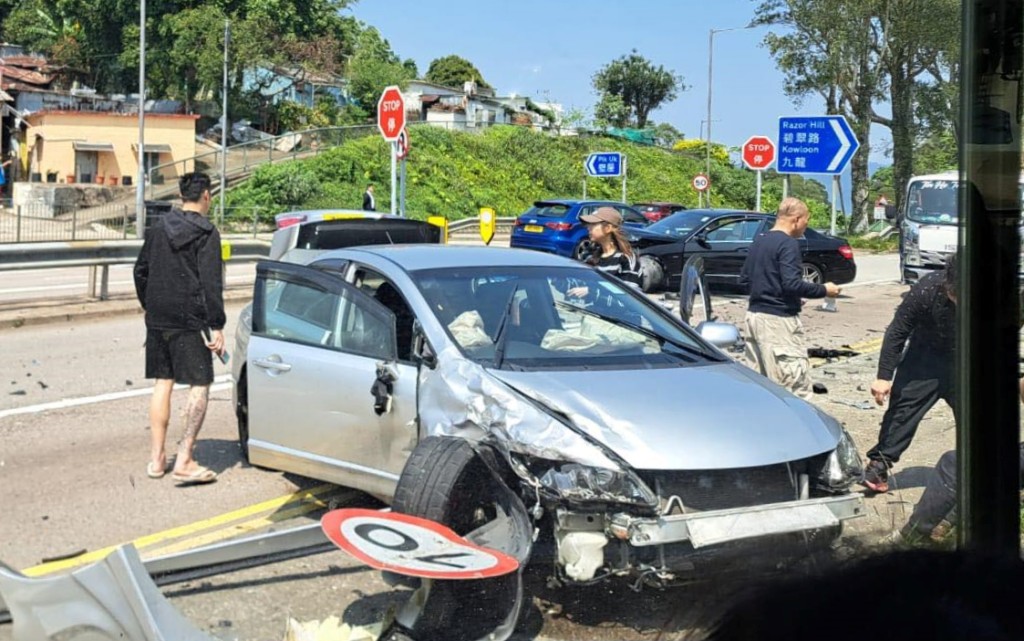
(181, 355)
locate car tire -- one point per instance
(653, 275)
(242, 415)
(446, 481)
(583, 250)
(812, 273)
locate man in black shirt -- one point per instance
(773, 273)
(915, 368)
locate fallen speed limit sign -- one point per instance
(412, 546)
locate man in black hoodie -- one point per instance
(178, 279)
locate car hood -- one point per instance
(715, 416)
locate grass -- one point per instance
(875, 245)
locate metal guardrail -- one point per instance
(100, 255)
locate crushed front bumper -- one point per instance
(703, 529)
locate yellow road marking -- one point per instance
(303, 496)
(864, 347)
(235, 530)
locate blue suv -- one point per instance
(554, 226)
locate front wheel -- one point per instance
(583, 250)
(446, 480)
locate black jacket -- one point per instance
(178, 275)
(927, 319)
(369, 202)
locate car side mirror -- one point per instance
(421, 349)
(890, 212)
(702, 240)
(719, 334)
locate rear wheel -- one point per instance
(812, 273)
(446, 481)
(652, 274)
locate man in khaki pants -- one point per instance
(775, 335)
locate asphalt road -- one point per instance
(73, 447)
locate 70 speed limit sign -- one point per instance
(701, 182)
(412, 546)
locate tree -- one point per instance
(830, 49)
(454, 71)
(665, 135)
(631, 87)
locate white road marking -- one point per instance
(221, 382)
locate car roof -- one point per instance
(722, 212)
(417, 257)
(570, 202)
(660, 203)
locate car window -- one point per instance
(733, 230)
(680, 224)
(548, 210)
(382, 290)
(300, 312)
(338, 234)
(630, 215)
(539, 318)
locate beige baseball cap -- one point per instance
(608, 215)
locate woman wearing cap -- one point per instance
(612, 251)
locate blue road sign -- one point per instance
(604, 164)
(814, 145)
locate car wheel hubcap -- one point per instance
(811, 274)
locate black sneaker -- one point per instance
(876, 477)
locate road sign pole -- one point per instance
(835, 188)
(394, 171)
(757, 206)
(785, 186)
(623, 180)
(584, 188)
(402, 197)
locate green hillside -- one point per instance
(505, 167)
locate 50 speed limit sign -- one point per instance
(412, 546)
(701, 182)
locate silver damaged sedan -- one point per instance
(539, 407)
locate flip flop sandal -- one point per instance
(198, 477)
(152, 472)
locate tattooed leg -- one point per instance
(195, 412)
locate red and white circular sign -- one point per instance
(412, 546)
(391, 113)
(759, 152)
(701, 182)
(403, 144)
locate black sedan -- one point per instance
(722, 237)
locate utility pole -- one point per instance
(140, 188)
(224, 126)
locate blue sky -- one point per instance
(550, 49)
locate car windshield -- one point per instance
(680, 224)
(548, 210)
(526, 318)
(933, 202)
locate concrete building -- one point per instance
(98, 147)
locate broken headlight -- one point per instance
(572, 481)
(842, 467)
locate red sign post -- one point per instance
(391, 122)
(758, 154)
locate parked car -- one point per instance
(554, 226)
(321, 229)
(465, 385)
(722, 237)
(655, 211)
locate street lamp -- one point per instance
(711, 49)
(140, 188)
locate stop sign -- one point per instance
(759, 152)
(391, 113)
